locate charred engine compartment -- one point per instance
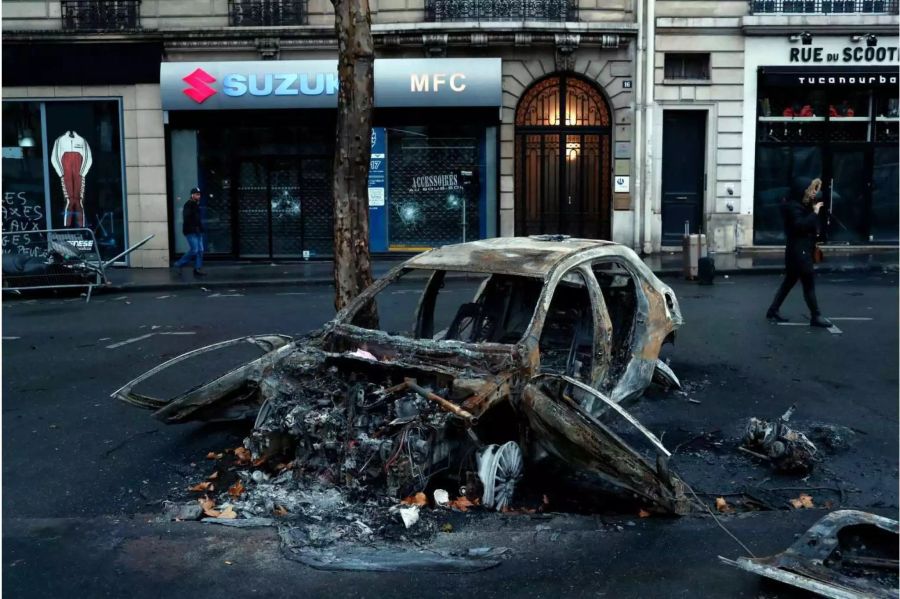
(351, 421)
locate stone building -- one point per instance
(492, 117)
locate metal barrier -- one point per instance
(52, 259)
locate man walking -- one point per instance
(801, 217)
(192, 227)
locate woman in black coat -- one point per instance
(801, 219)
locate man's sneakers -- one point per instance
(774, 316)
(199, 273)
(819, 321)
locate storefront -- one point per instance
(63, 167)
(827, 109)
(258, 138)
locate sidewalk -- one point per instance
(665, 265)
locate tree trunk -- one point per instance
(352, 152)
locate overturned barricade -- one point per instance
(520, 350)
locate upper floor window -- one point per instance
(501, 10)
(100, 15)
(267, 13)
(693, 66)
(824, 6)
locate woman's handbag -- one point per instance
(818, 255)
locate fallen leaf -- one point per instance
(283, 467)
(722, 505)
(418, 499)
(228, 562)
(228, 513)
(212, 455)
(213, 476)
(208, 507)
(204, 486)
(804, 501)
(643, 514)
(242, 454)
(447, 527)
(236, 489)
(259, 462)
(280, 511)
(546, 500)
(461, 503)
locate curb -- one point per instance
(667, 273)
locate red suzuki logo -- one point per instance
(199, 90)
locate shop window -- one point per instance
(83, 158)
(87, 183)
(884, 195)
(780, 172)
(435, 187)
(24, 205)
(887, 115)
(686, 66)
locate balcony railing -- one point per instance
(823, 7)
(267, 13)
(101, 15)
(501, 10)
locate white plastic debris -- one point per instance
(409, 514)
(441, 497)
(361, 353)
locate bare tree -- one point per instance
(356, 62)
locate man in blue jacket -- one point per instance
(192, 227)
(801, 219)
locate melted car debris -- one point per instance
(556, 335)
(788, 450)
(847, 554)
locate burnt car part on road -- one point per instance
(848, 554)
(530, 341)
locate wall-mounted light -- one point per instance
(26, 139)
(794, 38)
(856, 38)
(871, 41)
(806, 38)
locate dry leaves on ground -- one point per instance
(722, 505)
(213, 476)
(280, 511)
(212, 455)
(419, 499)
(209, 507)
(643, 513)
(204, 486)
(803, 502)
(461, 503)
(236, 489)
(228, 513)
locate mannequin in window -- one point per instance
(71, 159)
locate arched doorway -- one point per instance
(563, 165)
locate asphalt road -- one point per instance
(84, 475)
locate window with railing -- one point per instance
(101, 15)
(501, 10)
(827, 7)
(267, 13)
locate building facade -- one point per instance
(491, 118)
(752, 100)
(617, 119)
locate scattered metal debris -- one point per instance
(848, 554)
(788, 450)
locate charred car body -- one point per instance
(518, 350)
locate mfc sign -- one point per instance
(314, 84)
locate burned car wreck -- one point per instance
(518, 350)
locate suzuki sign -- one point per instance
(314, 84)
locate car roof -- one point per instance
(533, 256)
